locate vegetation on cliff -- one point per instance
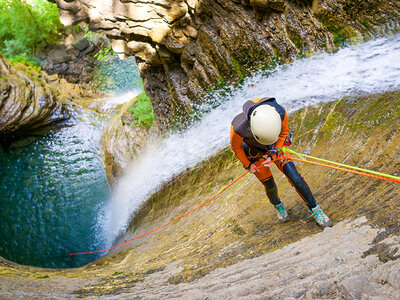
(31, 33)
(25, 27)
(141, 110)
(187, 47)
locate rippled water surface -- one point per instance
(51, 195)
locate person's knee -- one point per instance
(289, 169)
(269, 183)
(271, 190)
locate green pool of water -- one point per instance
(52, 196)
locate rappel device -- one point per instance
(288, 140)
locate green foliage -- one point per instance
(30, 62)
(26, 26)
(102, 54)
(89, 35)
(142, 111)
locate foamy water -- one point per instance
(370, 67)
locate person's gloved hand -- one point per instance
(253, 168)
(267, 162)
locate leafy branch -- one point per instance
(103, 53)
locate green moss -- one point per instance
(332, 123)
(221, 81)
(142, 111)
(297, 42)
(251, 56)
(306, 120)
(117, 273)
(268, 67)
(315, 115)
(356, 115)
(238, 69)
(339, 32)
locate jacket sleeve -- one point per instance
(236, 144)
(284, 132)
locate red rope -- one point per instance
(166, 224)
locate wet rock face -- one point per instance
(72, 58)
(185, 46)
(122, 143)
(27, 103)
(234, 246)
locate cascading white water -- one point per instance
(370, 67)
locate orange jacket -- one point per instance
(241, 133)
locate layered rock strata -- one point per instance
(184, 47)
(72, 58)
(32, 101)
(122, 143)
(27, 104)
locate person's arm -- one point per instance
(284, 133)
(236, 144)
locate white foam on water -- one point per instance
(370, 67)
(112, 102)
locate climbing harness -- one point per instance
(281, 156)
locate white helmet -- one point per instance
(265, 124)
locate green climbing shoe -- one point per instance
(321, 218)
(283, 215)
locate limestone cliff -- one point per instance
(184, 47)
(122, 143)
(234, 247)
(31, 101)
(72, 57)
(27, 103)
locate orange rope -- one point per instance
(162, 226)
(173, 220)
(225, 188)
(347, 170)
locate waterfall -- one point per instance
(370, 67)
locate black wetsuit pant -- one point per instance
(296, 180)
(286, 166)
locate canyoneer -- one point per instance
(257, 135)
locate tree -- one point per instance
(26, 26)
